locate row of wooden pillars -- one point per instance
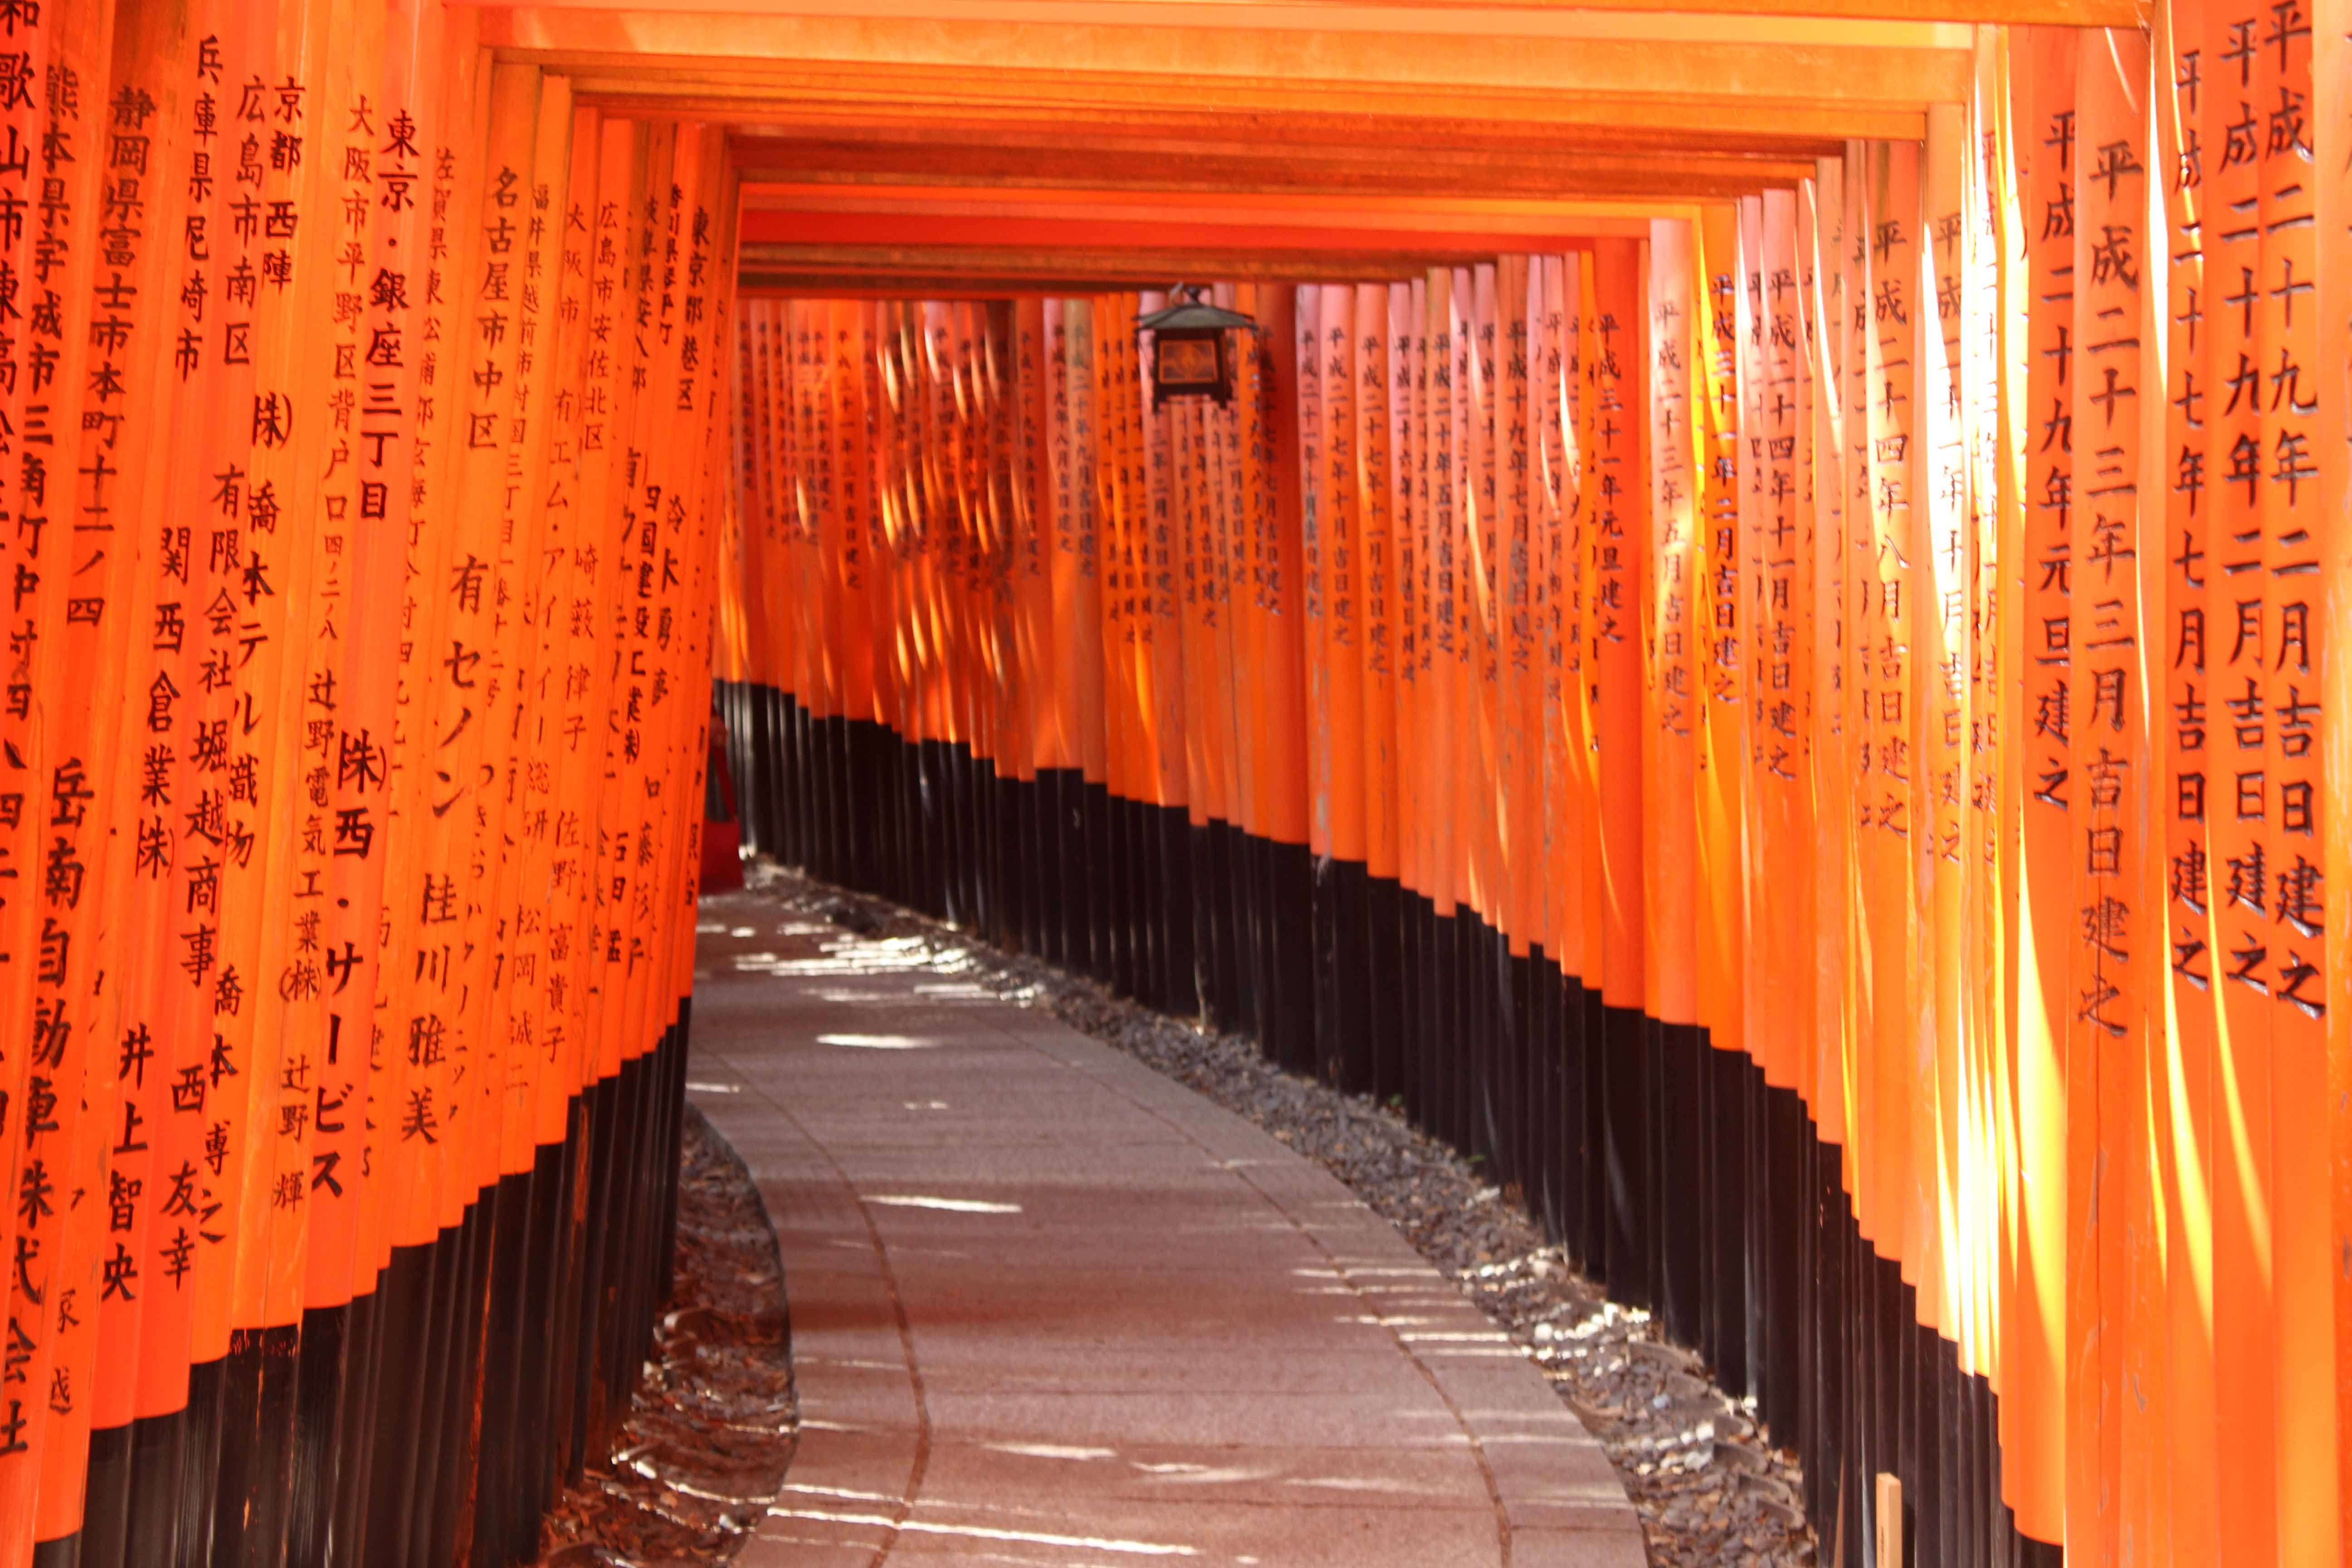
(1666, 1169)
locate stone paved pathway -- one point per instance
(1051, 1309)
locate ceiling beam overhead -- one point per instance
(1375, 145)
(990, 270)
(879, 98)
(1451, 213)
(1485, 17)
(980, 235)
(1253, 168)
(1227, 67)
(1173, 132)
(1002, 145)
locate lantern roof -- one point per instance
(1192, 314)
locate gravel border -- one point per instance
(715, 1420)
(1709, 1488)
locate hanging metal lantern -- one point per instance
(1191, 357)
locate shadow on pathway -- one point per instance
(1050, 1308)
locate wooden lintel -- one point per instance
(858, 283)
(987, 233)
(755, 55)
(796, 267)
(1098, 108)
(1173, 132)
(1482, 16)
(1256, 169)
(1458, 212)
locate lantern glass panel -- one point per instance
(1190, 364)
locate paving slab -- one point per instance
(1051, 1309)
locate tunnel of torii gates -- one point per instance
(1752, 644)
